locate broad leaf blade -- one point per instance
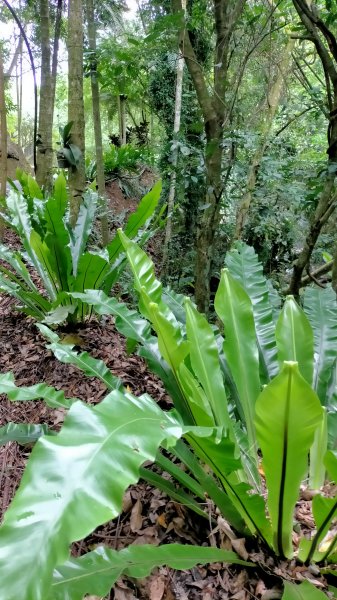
(79, 235)
(95, 573)
(234, 308)
(92, 367)
(137, 220)
(321, 309)
(304, 591)
(22, 433)
(295, 338)
(40, 391)
(74, 482)
(205, 363)
(288, 412)
(244, 265)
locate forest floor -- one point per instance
(148, 515)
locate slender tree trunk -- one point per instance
(326, 46)
(19, 89)
(3, 138)
(75, 103)
(269, 113)
(173, 178)
(57, 33)
(334, 269)
(97, 122)
(121, 99)
(214, 110)
(44, 173)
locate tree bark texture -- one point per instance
(95, 94)
(3, 139)
(174, 162)
(44, 157)
(269, 112)
(326, 46)
(214, 108)
(75, 103)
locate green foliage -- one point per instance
(58, 253)
(124, 158)
(68, 151)
(75, 480)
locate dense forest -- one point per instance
(168, 314)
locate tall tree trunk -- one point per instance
(3, 138)
(269, 113)
(326, 46)
(19, 89)
(75, 103)
(57, 33)
(97, 122)
(214, 109)
(174, 162)
(121, 100)
(44, 173)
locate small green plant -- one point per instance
(257, 390)
(125, 158)
(57, 253)
(68, 154)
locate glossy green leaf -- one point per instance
(40, 391)
(324, 511)
(95, 573)
(288, 412)
(234, 308)
(317, 452)
(137, 220)
(75, 481)
(44, 264)
(321, 309)
(60, 193)
(92, 367)
(33, 187)
(79, 236)
(30, 302)
(295, 338)
(14, 259)
(22, 433)
(245, 267)
(205, 363)
(303, 591)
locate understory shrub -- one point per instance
(55, 260)
(267, 388)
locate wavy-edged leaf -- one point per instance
(75, 481)
(90, 274)
(96, 572)
(288, 412)
(134, 327)
(244, 265)
(303, 591)
(79, 235)
(176, 303)
(144, 278)
(128, 322)
(321, 309)
(295, 338)
(137, 220)
(205, 363)
(92, 367)
(40, 391)
(234, 308)
(22, 433)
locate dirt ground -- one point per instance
(148, 515)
